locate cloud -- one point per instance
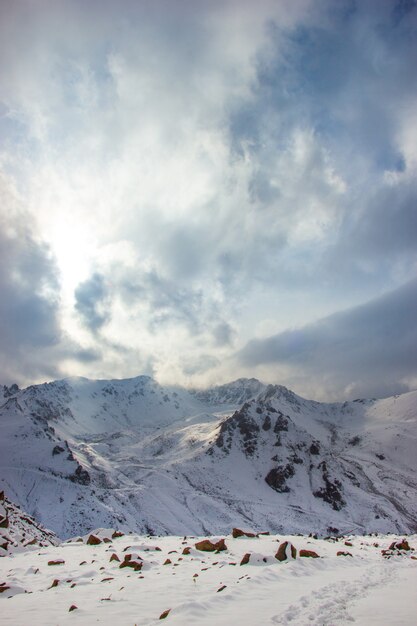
(199, 172)
(29, 303)
(92, 302)
(362, 352)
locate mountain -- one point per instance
(78, 454)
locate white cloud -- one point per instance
(223, 167)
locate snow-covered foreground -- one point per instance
(209, 588)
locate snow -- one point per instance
(77, 454)
(212, 588)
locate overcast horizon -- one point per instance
(206, 191)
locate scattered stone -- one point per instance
(309, 553)
(57, 562)
(107, 540)
(165, 614)
(73, 607)
(400, 545)
(221, 588)
(208, 546)
(130, 562)
(348, 543)
(93, 540)
(286, 551)
(236, 532)
(186, 551)
(117, 534)
(3, 587)
(33, 542)
(114, 557)
(341, 553)
(168, 562)
(245, 559)
(55, 583)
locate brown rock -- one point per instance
(114, 557)
(168, 562)
(341, 553)
(3, 587)
(286, 551)
(33, 542)
(4, 522)
(221, 588)
(236, 532)
(208, 546)
(309, 553)
(93, 541)
(400, 545)
(135, 565)
(117, 534)
(57, 562)
(220, 545)
(55, 583)
(245, 559)
(106, 540)
(186, 551)
(348, 543)
(73, 607)
(165, 614)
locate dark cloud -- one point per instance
(345, 72)
(92, 301)
(365, 351)
(29, 300)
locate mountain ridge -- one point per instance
(78, 454)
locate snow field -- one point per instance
(208, 587)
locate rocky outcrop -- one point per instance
(277, 477)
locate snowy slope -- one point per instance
(19, 531)
(78, 454)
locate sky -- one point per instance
(200, 191)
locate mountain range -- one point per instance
(78, 454)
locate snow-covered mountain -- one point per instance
(78, 454)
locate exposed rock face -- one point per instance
(242, 423)
(331, 492)
(286, 551)
(80, 476)
(277, 477)
(245, 559)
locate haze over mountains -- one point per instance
(78, 454)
